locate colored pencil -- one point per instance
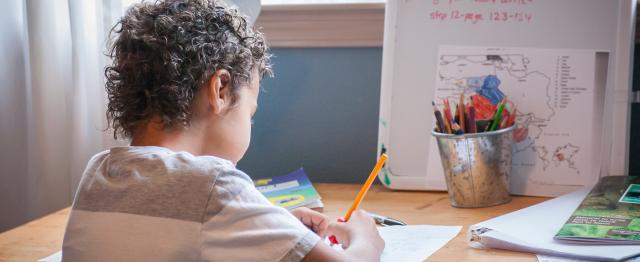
(439, 122)
(498, 115)
(504, 121)
(472, 126)
(447, 115)
(512, 117)
(461, 112)
(447, 126)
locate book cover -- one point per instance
(290, 191)
(609, 214)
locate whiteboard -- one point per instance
(414, 32)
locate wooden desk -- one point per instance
(42, 237)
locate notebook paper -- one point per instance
(412, 243)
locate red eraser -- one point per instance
(333, 239)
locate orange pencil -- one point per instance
(366, 186)
(447, 115)
(512, 117)
(363, 191)
(503, 123)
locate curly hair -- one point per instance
(165, 51)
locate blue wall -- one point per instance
(320, 112)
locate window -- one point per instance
(319, 23)
(297, 2)
(322, 23)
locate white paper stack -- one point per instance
(532, 230)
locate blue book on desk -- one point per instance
(290, 191)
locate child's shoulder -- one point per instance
(159, 160)
(160, 163)
(157, 182)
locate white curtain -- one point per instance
(52, 101)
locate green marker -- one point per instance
(387, 181)
(496, 118)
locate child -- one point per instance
(183, 86)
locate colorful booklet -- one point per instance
(610, 214)
(290, 191)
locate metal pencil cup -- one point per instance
(477, 167)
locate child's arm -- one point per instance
(359, 237)
(240, 224)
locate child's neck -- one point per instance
(153, 133)
(193, 139)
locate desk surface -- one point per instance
(42, 237)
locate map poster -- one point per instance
(554, 93)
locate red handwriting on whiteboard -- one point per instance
(476, 17)
(437, 2)
(437, 15)
(501, 2)
(457, 15)
(471, 17)
(506, 2)
(499, 16)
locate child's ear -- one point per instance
(219, 91)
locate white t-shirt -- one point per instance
(153, 204)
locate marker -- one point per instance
(439, 121)
(386, 221)
(363, 191)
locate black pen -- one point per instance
(386, 221)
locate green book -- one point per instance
(610, 214)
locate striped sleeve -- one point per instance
(240, 224)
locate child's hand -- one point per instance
(315, 221)
(360, 230)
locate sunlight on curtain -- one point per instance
(49, 88)
(53, 103)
